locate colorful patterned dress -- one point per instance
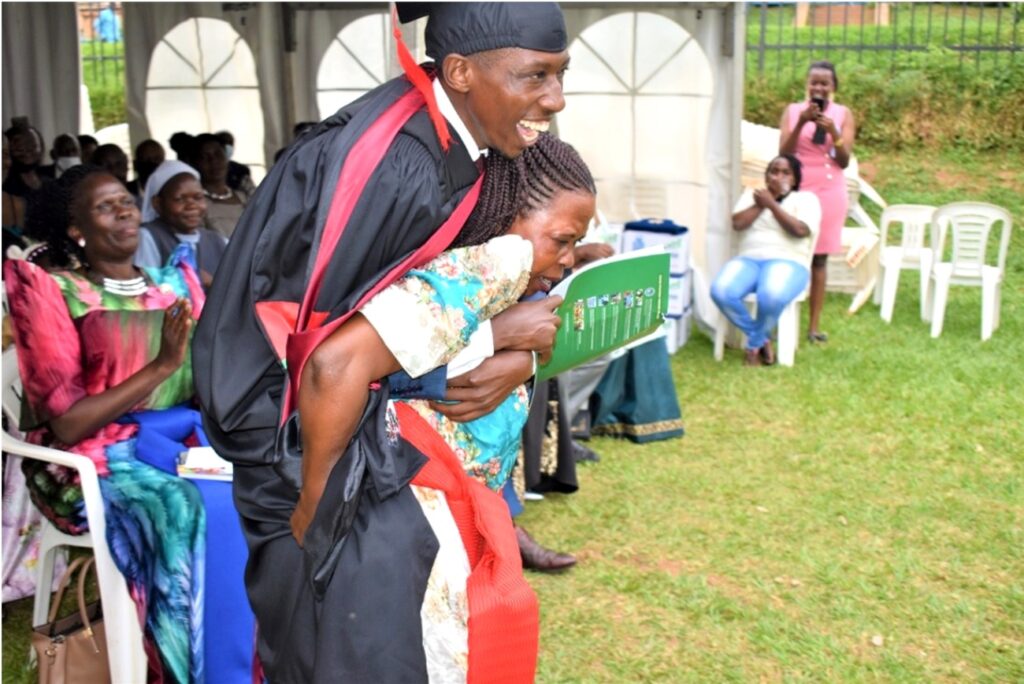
(444, 302)
(74, 340)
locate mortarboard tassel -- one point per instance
(419, 78)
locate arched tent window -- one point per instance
(202, 79)
(358, 60)
(638, 98)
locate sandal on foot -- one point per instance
(768, 354)
(753, 358)
(817, 336)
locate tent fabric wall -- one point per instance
(718, 28)
(287, 80)
(288, 88)
(41, 68)
(147, 23)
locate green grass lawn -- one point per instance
(858, 517)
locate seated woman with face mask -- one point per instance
(173, 211)
(778, 225)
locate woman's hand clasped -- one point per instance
(763, 198)
(174, 335)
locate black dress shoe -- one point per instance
(536, 557)
(581, 453)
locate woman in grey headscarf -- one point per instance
(173, 212)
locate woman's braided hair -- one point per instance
(518, 187)
(49, 215)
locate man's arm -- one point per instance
(332, 395)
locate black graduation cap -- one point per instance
(468, 27)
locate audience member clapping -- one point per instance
(778, 225)
(99, 349)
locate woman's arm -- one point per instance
(791, 224)
(332, 395)
(743, 219)
(788, 137)
(89, 414)
(50, 357)
(844, 150)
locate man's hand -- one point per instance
(481, 390)
(301, 519)
(527, 326)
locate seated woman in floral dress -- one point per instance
(102, 351)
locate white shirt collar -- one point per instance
(448, 111)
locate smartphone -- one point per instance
(819, 132)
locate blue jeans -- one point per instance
(777, 282)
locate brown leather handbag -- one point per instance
(73, 649)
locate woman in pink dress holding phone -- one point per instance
(820, 133)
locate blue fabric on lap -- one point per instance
(228, 622)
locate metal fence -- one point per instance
(100, 27)
(785, 36)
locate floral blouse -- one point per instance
(427, 317)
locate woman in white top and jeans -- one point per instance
(778, 226)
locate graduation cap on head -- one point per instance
(468, 27)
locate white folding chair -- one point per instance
(911, 253)
(121, 621)
(788, 330)
(971, 224)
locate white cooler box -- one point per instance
(651, 233)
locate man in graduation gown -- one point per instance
(345, 606)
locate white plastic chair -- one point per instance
(788, 330)
(911, 253)
(971, 224)
(121, 621)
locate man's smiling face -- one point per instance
(512, 95)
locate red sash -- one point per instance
(503, 612)
(306, 330)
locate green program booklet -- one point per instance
(608, 304)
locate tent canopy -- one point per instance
(654, 92)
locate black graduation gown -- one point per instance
(363, 622)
